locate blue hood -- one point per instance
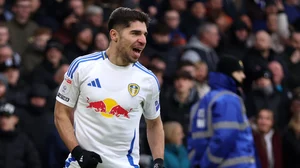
(220, 81)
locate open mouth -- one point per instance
(136, 50)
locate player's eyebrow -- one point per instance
(138, 32)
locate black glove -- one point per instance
(86, 159)
(158, 163)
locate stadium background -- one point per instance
(40, 38)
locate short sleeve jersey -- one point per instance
(109, 101)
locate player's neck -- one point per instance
(115, 58)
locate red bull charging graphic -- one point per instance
(108, 108)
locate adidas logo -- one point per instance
(95, 83)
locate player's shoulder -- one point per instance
(145, 74)
(84, 61)
(88, 59)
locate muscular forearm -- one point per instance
(65, 128)
(155, 135)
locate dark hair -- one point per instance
(186, 63)
(182, 74)
(157, 56)
(264, 109)
(123, 16)
(160, 28)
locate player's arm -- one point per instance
(63, 123)
(155, 132)
(66, 99)
(155, 135)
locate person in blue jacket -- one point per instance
(220, 132)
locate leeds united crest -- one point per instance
(133, 89)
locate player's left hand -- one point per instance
(158, 163)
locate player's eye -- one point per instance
(135, 33)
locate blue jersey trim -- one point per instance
(141, 67)
(129, 157)
(105, 55)
(68, 162)
(77, 61)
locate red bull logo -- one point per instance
(108, 108)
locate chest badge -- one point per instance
(133, 89)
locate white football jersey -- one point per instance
(109, 101)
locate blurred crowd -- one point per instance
(186, 39)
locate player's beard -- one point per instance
(127, 57)
(126, 54)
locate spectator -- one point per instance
(4, 34)
(193, 18)
(159, 43)
(216, 14)
(235, 9)
(278, 77)
(17, 150)
(21, 28)
(100, 42)
(158, 67)
(75, 10)
(268, 141)
(5, 15)
(34, 54)
(201, 77)
(292, 59)
(150, 7)
(201, 47)
(94, 17)
(40, 16)
(291, 8)
(36, 120)
(64, 33)
(256, 10)
(175, 152)
(3, 89)
(53, 59)
(17, 88)
(277, 25)
(6, 57)
(259, 56)
(81, 45)
(236, 46)
(172, 19)
(264, 95)
(178, 5)
(77, 7)
(291, 137)
(188, 67)
(176, 103)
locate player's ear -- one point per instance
(113, 35)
